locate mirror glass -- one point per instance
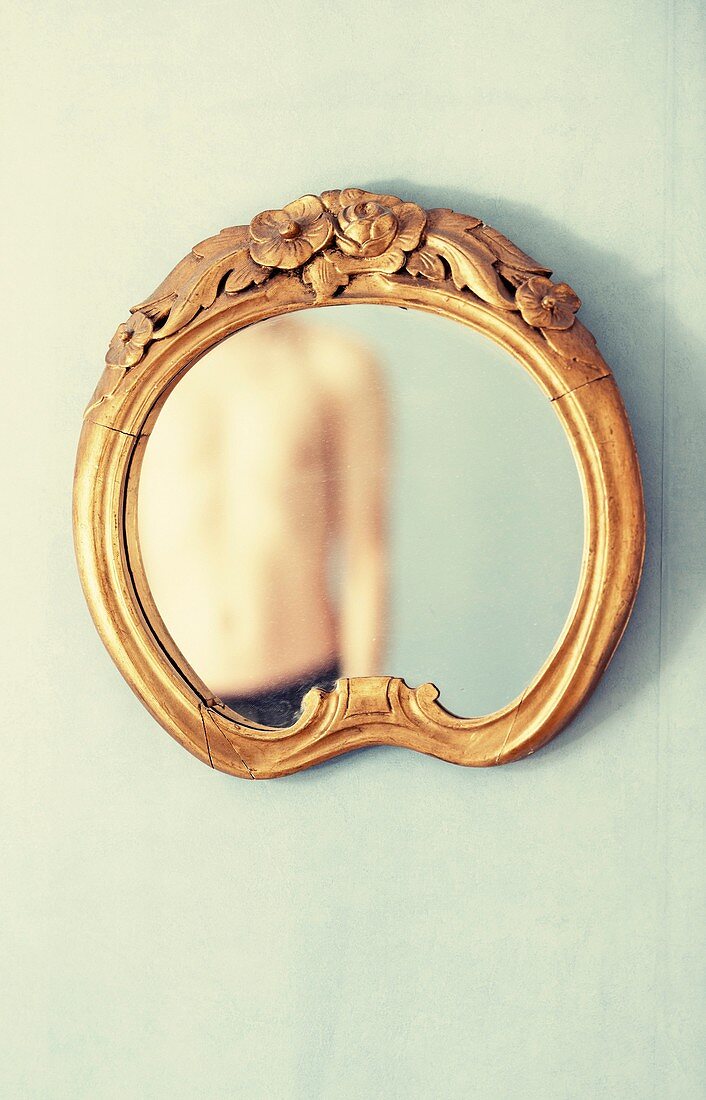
(360, 491)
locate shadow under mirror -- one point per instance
(360, 491)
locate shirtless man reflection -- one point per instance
(263, 484)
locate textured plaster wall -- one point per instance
(387, 925)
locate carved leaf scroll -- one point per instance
(513, 264)
(245, 273)
(324, 277)
(194, 283)
(328, 241)
(472, 264)
(427, 263)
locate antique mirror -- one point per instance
(302, 529)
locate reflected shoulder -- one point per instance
(346, 361)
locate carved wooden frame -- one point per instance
(343, 247)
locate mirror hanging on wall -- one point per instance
(293, 521)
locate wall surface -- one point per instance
(386, 925)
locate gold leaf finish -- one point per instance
(128, 345)
(324, 276)
(368, 225)
(471, 263)
(547, 305)
(287, 238)
(514, 265)
(343, 247)
(245, 272)
(427, 263)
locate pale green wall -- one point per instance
(386, 925)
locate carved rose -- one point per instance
(128, 345)
(289, 237)
(545, 304)
(368, 225)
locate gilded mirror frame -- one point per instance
(345, 247)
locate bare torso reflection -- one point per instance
(262, 516)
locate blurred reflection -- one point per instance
(263, 484)
(295, 529)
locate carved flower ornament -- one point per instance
(342, 235)
(369, 225)
(366, 226)
(128, 345)
(287, 238)
(544, 304)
